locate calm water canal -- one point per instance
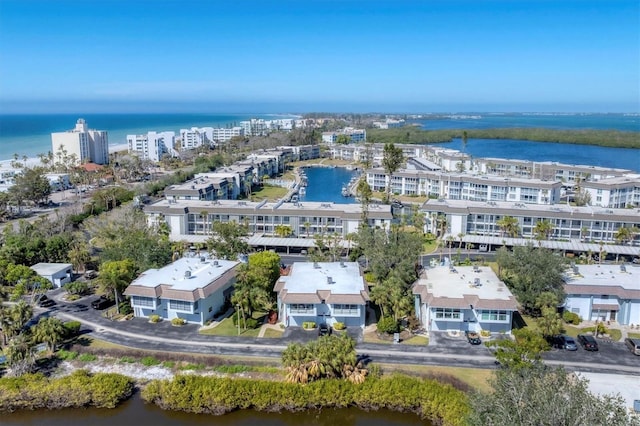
(325, 184)
(136, 412)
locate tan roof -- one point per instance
(617, 291)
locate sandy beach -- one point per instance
(34, 161)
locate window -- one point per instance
(180, 305)
(302, 308)
(493, 315)
(345, 309)
(447, 313)
(143, 302)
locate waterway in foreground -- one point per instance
(136, 412)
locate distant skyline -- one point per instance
(336, 55)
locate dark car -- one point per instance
(324, 330)
(565, 342)
(588, 342)
(44, 302)
(102, 303)
(473, 337)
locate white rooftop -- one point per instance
(458, 281)
(46, 269)
(309, 277)
(606, 275)
(188, 273)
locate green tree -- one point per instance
(543, 395)
(542, 230)
(31, 185)
(49, 330)
(364, 193)
(343, 139)
(549, 322)
(265, 267)
(249, 293)
(283, 231)
(521, 352)
(530, 271)
(228, 240)
(115, 276)
(79, 255)
(392, 159)
(508, 226)
(20, 355)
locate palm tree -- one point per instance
(442, 225)
(79, 256)
(307, 225)
(204, 215)
(543, 230)
(508, 226)
(50, 331)
(623, 235)
(391, 161)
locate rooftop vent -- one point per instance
(476, 282)
(623, 268)
(215, 263)
(329, 280)
(202, 259)
(575, 269)
(187, 274)
(342, 264)
(315, 265)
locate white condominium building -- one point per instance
(355, 135)
(152, 145)
(223, 134)
(196, 137)
(86, 145)
(617, 192)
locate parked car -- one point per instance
(633, 345)
(44, 302)
(324, 330)
(565, 342)
(588, 342)
(102, 303)
(473, 337)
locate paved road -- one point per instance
(443, 349)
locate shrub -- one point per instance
(308, 325)
(87, 357)
(251, 323)
(66, 355)
(149, 361)
(485, 333)
(178, 321)
(571, 318)
(339, 325)
(77, 288)
(154, 318)
(125, 308)
(169, 364)
(72, 297)
(72, 328)
(128, 359)
(388, 325)
(413, 322)
(370, 277)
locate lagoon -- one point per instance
(136, 412)
(325, 184)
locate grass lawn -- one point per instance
(417, 341)
(477, 378)
(272, 193)
(226, 328)
(270, 333)
(429, 246)
(372, 337)
(634, 335)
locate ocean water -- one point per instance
(623, 122)
(590, 155)
(30, 135)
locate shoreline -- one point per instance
(35, 161)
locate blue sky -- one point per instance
(368, 55)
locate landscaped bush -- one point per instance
(178, 321)
(339, 325)
(251, 323)
(154, 318)
(485, 333)
(78, 288)
(308, 325)
(571, 318)
(87, 357)
(441, 403)
(370, 277)
(388, 325)
(149, 361)
(66, 355)
(125, 308)
(80, 389)
(72, 328)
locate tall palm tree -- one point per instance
(508, 226)
(307, 226)
(50, 331)
(543, 230)
(79, 256)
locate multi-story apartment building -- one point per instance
(461, 186)
(389, 123)
(223, 134)
(355, 135)
(255, 127)
(196, 137)
(151, 146)
(615, 192)
(595, 224)
(191, 220)
(86, 145)
(302, 152)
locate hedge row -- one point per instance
(80, 389)
(440, 403)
